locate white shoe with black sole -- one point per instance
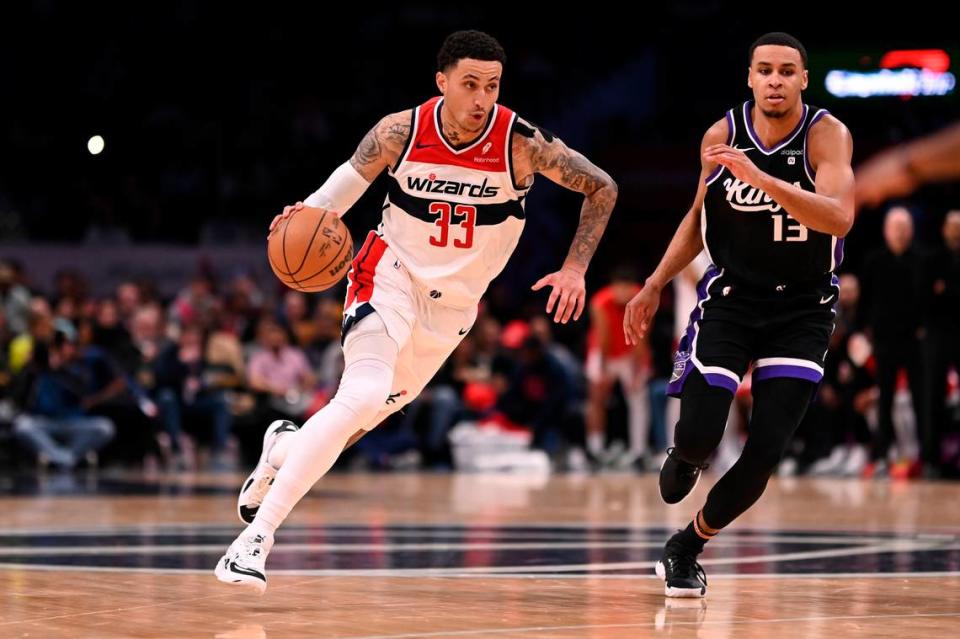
(257, 485)
(244, 563)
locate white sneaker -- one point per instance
(244, 562)
(788, 467)
(258, 483)
(832, 464)
(856, 461)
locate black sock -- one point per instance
(689, 539)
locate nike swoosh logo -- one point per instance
(424, 146)
(745, 149)
(824, 300)
(463, 331)
(250, 572)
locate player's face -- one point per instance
(470, 89)
(777, 77)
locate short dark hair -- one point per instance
(781, 39)
(469, 44)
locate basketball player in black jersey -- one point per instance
(774, 201)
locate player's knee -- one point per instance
(702, 422)
(365, 387)
(689, 440)
(763, 457)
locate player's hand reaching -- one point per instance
(639, 314)
(736, 161)
(568, 295)
(287, 212)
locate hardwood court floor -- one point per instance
(475, 556)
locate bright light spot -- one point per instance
(95, 145)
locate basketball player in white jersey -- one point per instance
(460, 167)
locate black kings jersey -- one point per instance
(750, 235)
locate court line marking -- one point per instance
(177, 549)
(546, 570)
(524, 527)
(949, 574)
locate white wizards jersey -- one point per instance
(454, 215)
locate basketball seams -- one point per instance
(343, 245)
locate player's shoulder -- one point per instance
(829, 136)
(718, 133)
(527, 134)
(394, 130)
(829, 125)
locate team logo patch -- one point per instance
(680, 360)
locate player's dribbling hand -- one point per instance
(287, 212)
(569, 289)
(639, 313)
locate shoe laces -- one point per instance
(251, 547)
(685, 564)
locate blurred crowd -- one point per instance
(190, 382)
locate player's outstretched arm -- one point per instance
(900, 170)
(686, 244)
(539, 151)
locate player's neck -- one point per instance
(772, 131)
(455, 134)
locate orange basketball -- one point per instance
(311, 250)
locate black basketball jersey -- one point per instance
(750, 235)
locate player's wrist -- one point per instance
(654, 283)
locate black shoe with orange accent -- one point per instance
(678, 477)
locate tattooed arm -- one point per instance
(380, 148)
(536, 150)
(382, 145)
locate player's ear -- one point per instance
(749, 80)
(442, 82)
(806, 79)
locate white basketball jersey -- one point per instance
(454, 215)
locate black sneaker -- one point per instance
(678, 477)
(682, 574)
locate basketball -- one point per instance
(310, 250)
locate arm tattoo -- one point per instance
(369, 150)
(575, 172)
(384, 142)
(397, 134)
(593, 220)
